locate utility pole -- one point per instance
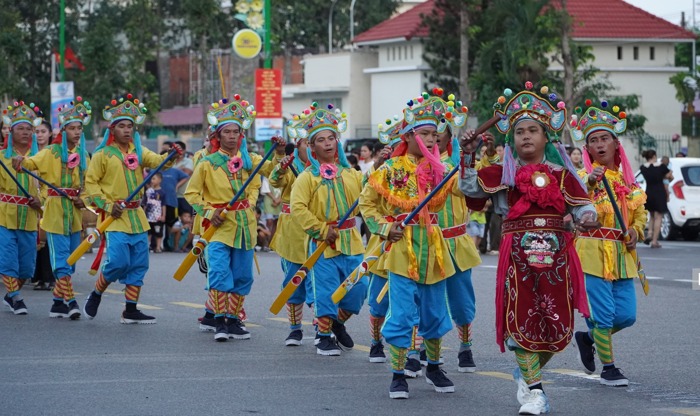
(330, 27)
(62, 42)
(267, 11)
(352, 24)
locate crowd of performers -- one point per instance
(568, 237)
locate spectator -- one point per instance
(680, 154)
(657, 198)
(43, 275)
(167, 146)
(576, 157)
(43, 134)
(172, 179)
(264, 235)
(352, 160)
(499, 151)
(181, 235)
(366, 157)
(186, 165)
(4, 132)
(477, 225)
(272, 205)
(155, 212)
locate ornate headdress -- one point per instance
(238, 112)
(77, 111)
(314, 120)
(124, 108)
(593, 119)
(21, 113)
(527, 105)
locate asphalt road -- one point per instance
(100, 367)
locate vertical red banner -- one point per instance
(268, 93)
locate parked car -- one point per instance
(683, 216)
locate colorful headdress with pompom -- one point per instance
(19, 113)
(527, 105)
(454, 115)
(124, 108)
(236, 111)
(593, 119)
(390, 130)
(76, 111)
(313, 120)
(427, 110)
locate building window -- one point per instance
(388, 52)
(619, 53)
(652, 53)
(635, 53)
(411, 51)
(393, 53)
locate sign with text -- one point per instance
(267, 128)
(62, 93)
(268, 93)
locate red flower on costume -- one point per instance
(539, 187)
(73, 160)
(329, 171)
(131, 161)
(235, 164)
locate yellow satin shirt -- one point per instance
(289, 235)
(12, 216)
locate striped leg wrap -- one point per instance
(603, 344)
(208, 306)
(416, 342)
(235, 304)
(58, 290)
(464, 332)
(101, 284)
(11, 285)
(375, 329)
(66, 285)
(217, 302)
(343, 315)
(132, 293)
(398, 359)
(294, 314)
(432, 350)
(324, 325)
(529, 363)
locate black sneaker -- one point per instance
(439, 381)
(58, 310)
(585, 351)
(613, 377)
(9, 302)
(294, 338)
(91, 305)
(19, 308)
(221, 330)
(326, 346)
(136, 317)
(398, 388)
(342, 336)
(236, 330)
(413, 368)
(73, 310)
(318, 337)
(376, 353)
(207, 323)
(466, 362)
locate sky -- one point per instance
(669, 9)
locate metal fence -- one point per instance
(664, 144)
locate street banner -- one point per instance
(62, 93)
(268, 104)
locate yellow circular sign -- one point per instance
(247, 43)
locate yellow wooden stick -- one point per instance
(357, 274)
(257, 265)
(296, 280)
(89, 241)
(382, 293)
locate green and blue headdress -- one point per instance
(21, 113)
(76, 111)
(238, 112)
(390, 131)
(527, 105)
(124, 108)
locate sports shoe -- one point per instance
(294, 338)
(535, 404)
(73, 310)
(439, 381)
(136, 317)
(523, 389)
(19, 308)
(466, 362)
(221, 330)
(398, 388)
(207, 323)
(58, 310)
(9, 302)
(613, 377)
(376, 354)
(585, 351)
(236, 330)
(318, 338)
(326, 346)
(342, 336)
(91, 304)
(413, 368)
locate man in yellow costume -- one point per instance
(18, 212)
(116, 169)
(63, 164)
(216, 179)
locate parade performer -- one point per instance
(63, 164)
(115, 170)
(287, 238)
(540, 281)
(216, 179)
(417, 263)
(321, 195)
(609, 266)
(20, 205)
(390, 135)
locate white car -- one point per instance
(683, 216)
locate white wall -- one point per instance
(359, 97)
(390, 92)
(327, 70)
(606, 54)
(401, 54)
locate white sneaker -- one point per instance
(523, 389)
(536, 404)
